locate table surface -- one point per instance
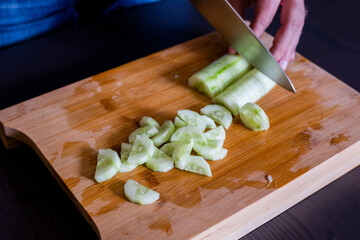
(32, 204)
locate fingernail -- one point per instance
(284, 65)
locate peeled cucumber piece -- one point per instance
(218, 75)
(208, 147)
(148, 131)
(139, 194)
(218, 113)
(148, 121)
(188, 134)
(254, 117)
(107, 166)
(249, 88)
(216, 133)
(179, 123)
(197, 164)
(165, 132)
(160, 162)
(125, 152)
(181, 153)
(216, 156)
(142, 150)
(169, 148)
(192, 118)
(209, 122)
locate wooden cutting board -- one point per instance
(313, 139)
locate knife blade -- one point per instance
(225, 19)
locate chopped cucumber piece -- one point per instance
(148, 131)
(169, 148)
(192, 118)
(216, 156)
(254, 117)
(188, 134)
(249, 88)
(139, 194)
(219, 114)
(179, 123)
(209, 122)
(148, 121)
(197, 164)
(165, 132)
(181, 153)
(143, 149)
(125, 152)
(208, 147)
(160, 162)
(108, 165)
(215, 77)
(216, 133)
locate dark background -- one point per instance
(32, 204)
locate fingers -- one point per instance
(287, 38)
(265, 11)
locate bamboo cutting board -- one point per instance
(313, 139)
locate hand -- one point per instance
(292, 21)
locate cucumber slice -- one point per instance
(217, 156)
(188, 134)
(148, 131)
(143, 149)
(160, 162)
(181, 153)
(165, 132)
(107, 166)
(125, 152)
(179, 123)
(208, 147)
(168, 148)
(209, 122)
(192, 118)
(249, 88)
(197, 164)
(254, 117)
(219, 114)
(215, 77)
(148, 121)
(139, 194)
(216, 133)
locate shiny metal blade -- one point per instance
(224, 18)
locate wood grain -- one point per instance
(313, 139)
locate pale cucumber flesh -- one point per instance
(219, 114)
(179, 123)
(208, 147)
(165, 132)
(197, 164)
(216, 156)
(143, 149)
(160, 162)
(216, 133)
(107, 166)
(125, 152)
(181, 153)
(192, 118)
(139, 194)
(169, 148)
(254, 117)
(148, 121)
(187, 134)
(148, 131)
(209, 122)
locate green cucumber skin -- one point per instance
(218, 75)
(249, 88)
(254, 117)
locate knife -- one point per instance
(224, 18)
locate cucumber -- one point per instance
(254, 117)
(179, 123)
(216, 133)
(107, 166)
(125, 152)
(188, 134)
(208, 147)
(165, 132)
(209, 122)
(249, 88)
(192, 118)
(181, 153)
(148, 131)
(148, 121)
(215, 77)
(139, 194)
(142, 150)
(216, 156)
(160, 162)
(218, 113)
(197, 164)
(169, 148)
